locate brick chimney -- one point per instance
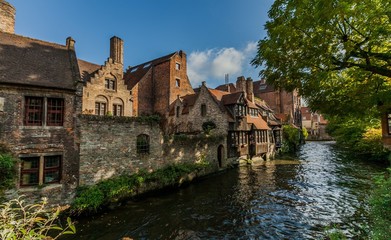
(7, 17)
(117, 50)
(241, 84)
(250, 89)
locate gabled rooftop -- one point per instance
(32, 62)
(134, 74)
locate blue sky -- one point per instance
(219, 36)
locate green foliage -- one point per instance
(208, 126)
(150, 119)
(337, 53)
(291, 138)
(7, 168)
(19, 220)
(304, 132)
(380, 210)
(7, 171)
(92, 198)
(334, 233)
(362, 137)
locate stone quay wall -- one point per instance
(108, 148)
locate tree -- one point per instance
(337, 53)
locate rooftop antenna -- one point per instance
(226, 78)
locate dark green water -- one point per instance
(281, 199)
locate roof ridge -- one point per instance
(34, 39)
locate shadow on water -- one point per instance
(281, 199)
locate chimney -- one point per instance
(7, 17)
(250, 89)
(117, 50)
(70, 43)
(241, 84)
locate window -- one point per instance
(118, 107)
(35, 111)
(240, 110)
(177, 66)
(117, 110)
(389, 123)
(142, 144)
(110, 84)
(203, 110)
(100, 106)
(55, 116)
(30, 171)
(177, 111)
(40, 170)
(51, 170)
(177, 82)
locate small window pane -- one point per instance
(52, 167)
(30, 171)
(55, 111)
(33, 111)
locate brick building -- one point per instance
(40, 96)
(286, 105)
(105, 91)
(156, 84)
(234, 115)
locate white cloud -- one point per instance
(211, 65)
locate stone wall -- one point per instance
(38, 141)
(108, 148)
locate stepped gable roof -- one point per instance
(134, 74)
(33, 62)
(230, 87)
(87, 69)
(262, 87)
(258, 122)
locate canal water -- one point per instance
(279, 199)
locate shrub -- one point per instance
(291, 136)
(7, 170)
(380, 203)
(208, 126)
(19, 220)
(91, 198)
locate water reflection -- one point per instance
(281, 199)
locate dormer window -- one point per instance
(177, 66)
(110, 84)
(240, 110)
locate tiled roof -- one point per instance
(262, 87)
(134, 74)
(87, 69)
(231, 98)
(258, 122)
(188, 101)
(34, 62)
(217, 93)
(230, 87)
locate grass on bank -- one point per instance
(90, 199)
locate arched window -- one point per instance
(100, 105)
(143, 144)
(118, 107)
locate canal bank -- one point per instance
(295, 199)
